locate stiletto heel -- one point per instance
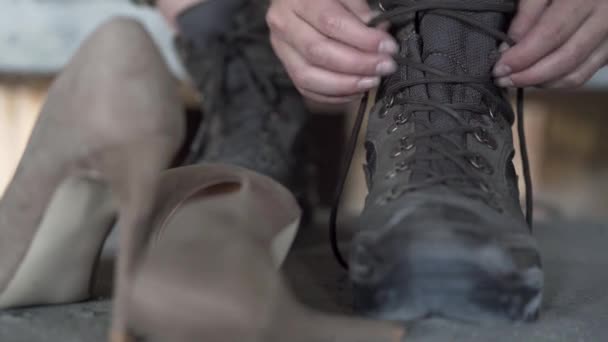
(115, 95)
(204, 266)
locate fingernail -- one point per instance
(368, 83)
(370, 16)
(504, 82)
(374, 14)
(503, 47)
(386, 67)
(502, 70)
(388, 46)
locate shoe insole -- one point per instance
(227, 211)
(59, 263)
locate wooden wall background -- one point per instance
(567, 135)
(20, 102)
(567, 132)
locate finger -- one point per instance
(553, 29)
(527, 15)
(567, 58)
(335, 21)
(323, 99)
(329, 54)
(317, 80)
(585, 72)
(360, 8)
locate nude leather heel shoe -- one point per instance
(203, 266)
(112, 120)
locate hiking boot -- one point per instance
(442, 232)
(253, 115)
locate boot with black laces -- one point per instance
(253, 115)
(442, 232)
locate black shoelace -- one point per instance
(401, 13)
(265, 79)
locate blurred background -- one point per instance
(567, 131)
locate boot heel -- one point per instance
(135, 186)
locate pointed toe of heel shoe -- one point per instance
(112, 105)
(204, 266)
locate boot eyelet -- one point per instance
(391, 175)
(482, 136)
(394, 193)
(390, 196)
(382, 201)
(381, 6)
(383, 113)
(402, 166)
(479, 163)
(388, 104)
(492, 115)
(392, 129)
(474, 161)
(406, 144)
(397, 152)
(402, 118)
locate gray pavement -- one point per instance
(576, 306)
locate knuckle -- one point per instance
(574, 53)
(274, 42)
(299, 77)
(348, 88)
(275, 20)
(316, 52)
(574, 80)
(339, 100)
(530, 78)
(598, 60)
(552, 32)
(305, 93)
(331, 24)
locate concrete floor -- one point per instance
(576, 306)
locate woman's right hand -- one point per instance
(328, 50)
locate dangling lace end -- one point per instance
(351, 147)
(525, 161)
(196, 146)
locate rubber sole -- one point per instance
(446, 277)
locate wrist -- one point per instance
(201, 23)
(145, 2)
(171, 9)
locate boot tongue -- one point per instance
(248, 70)
(458, 49)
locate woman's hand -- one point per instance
(560, 44)
(328, 50)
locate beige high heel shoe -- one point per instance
(203, 266)
(112, 121)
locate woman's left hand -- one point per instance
(559, 44)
